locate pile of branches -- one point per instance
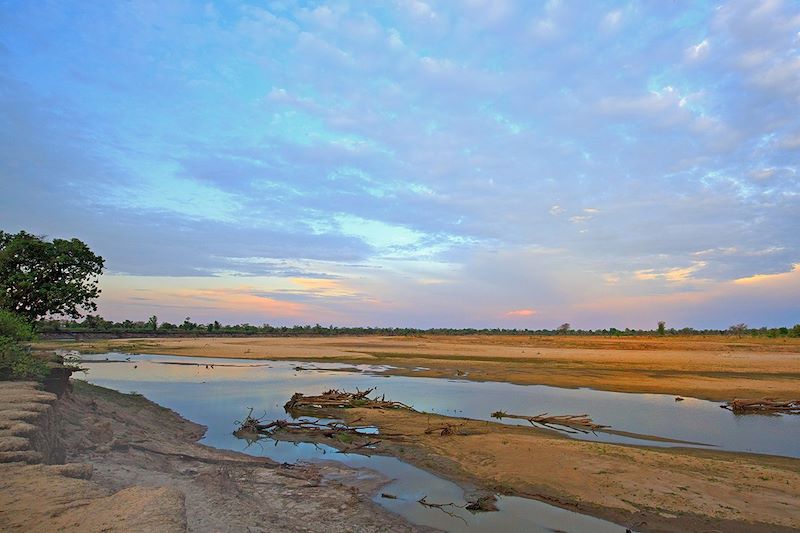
(341, 400)
(357, 436)
(765, 406)
(565, 423)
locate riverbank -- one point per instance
(132, 465)
(647, 489)
(715, 368)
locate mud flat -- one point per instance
(709, 367)
(132, 465)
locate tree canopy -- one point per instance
(40, 278)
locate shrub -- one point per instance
(17, 362)
(14, 326)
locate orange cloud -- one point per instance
(769, 279)
(521, 312)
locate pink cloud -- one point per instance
(521, 312)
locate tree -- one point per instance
(152, 322)
(661, 327)
(564, 328)
(40, 278)
(14, 326)
(738, 329)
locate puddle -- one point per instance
(217, 392)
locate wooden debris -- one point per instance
(388, 496)
(445, 430)
(678, 399)
(341, 400)
(316, 427)
(565, 423)
(346, 438)
(764, 406)
(443, 507)
(483, 504)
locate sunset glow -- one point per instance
(414, 163)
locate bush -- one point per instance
(17, 362)
(14, 326)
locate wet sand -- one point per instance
(709, 367)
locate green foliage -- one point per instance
(40, 278)
(17, 362)
(661, 327)
(14, 326)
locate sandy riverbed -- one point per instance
(643, 488)
(714, 367)
(647, 489)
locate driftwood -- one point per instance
(345, 437)
(445, 430)
(484, 504)
(764, 406)
(443, 507)
(565, 423)
(326, 429)
(341, 400)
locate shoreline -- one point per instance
(133, 465)
(710, 369)
(483, 457)
(625, 484)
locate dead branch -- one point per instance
(565, 423)
(483, 504)
(445, 430)
(764, 406)
(442, 507)
(341, 400)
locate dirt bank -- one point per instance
(647, 489)
(135, 466)
(714, 367)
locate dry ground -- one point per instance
(646, 489)
(136, 466)
(709, 367)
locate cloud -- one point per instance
(521, 313)
(698, 51)
(434, 160)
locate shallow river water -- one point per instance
(217, 392)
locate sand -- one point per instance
(642, 488)
(135, 466)
(709, 367)
(646, 489)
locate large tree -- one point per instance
(40, 277)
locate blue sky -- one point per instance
(414, 163)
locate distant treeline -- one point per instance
(152, 327)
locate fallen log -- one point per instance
(337, 399)
(325, 429)
(347, 438)
(763, 406)
(565, 423)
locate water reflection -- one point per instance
(691, 420)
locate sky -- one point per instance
(410, 163)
